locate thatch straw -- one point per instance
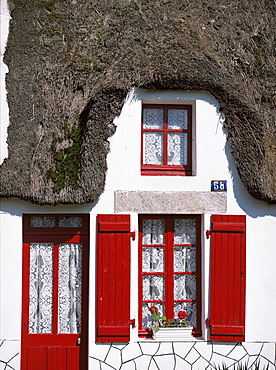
(72, 64)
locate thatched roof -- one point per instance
(71, 64)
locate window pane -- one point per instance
(153, 118)
(153, 259)
(153, 232)
(184, 231)
(147, 318)
(177, 119)
(153, 287)
(153, 148)
(42, 221)
(177, 149)
(189, 308)
(184, 287)
(70, 221)
(69, 288)
(41, 288)
(184, 259)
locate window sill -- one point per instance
(165, 171)
(151, 340)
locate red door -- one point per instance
(54, 293)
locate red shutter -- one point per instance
(227, 286)
(113, 278)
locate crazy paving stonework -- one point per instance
(162, 356)
(181, 356)
(9, 355)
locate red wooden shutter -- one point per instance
(227, 286)
(113, 278)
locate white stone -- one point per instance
(192, 356)
(130, 365)
(132, 350)
(15, 362)
(165, 348)
(165, 362)
(114, 358)
(152, 365)
(268, 352)
(218, 360)
(201, 363)
(149, 348)
(99, 351)
(182, 348)
(205, 349)
(8, 350)
(238, 353)
(253, 348)
(94, 364)
(104, 366)
(143, 362)
(222, 348)
(181, 364)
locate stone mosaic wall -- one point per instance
(198, 355)
(181, 356)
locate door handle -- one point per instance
(79, 342)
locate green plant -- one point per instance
(163, 322)
(241, 367)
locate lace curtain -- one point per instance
(69, 288)
(153, 232)
(41, 288)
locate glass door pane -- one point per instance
(69, 288)
(41, 288)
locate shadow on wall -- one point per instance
(253, 207)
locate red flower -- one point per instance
(182, 315)
(153, 309)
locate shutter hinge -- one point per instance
(208, 234)
(132, 323)
(132, 235)
(207, 322)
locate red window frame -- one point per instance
(165, 169)
(168, 272)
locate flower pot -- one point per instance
(173, 334)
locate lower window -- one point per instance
(170, 269)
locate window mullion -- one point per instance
(169, 269)
(165, 138)
(55, 288)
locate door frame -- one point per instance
(55, 235)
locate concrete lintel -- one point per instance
(181, 202)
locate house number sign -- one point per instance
(218, 185)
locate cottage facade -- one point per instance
(174, 228)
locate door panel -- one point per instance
(55, 290)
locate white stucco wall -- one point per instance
(213, 162)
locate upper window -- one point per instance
(166, 140)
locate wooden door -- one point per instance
(54, 293)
